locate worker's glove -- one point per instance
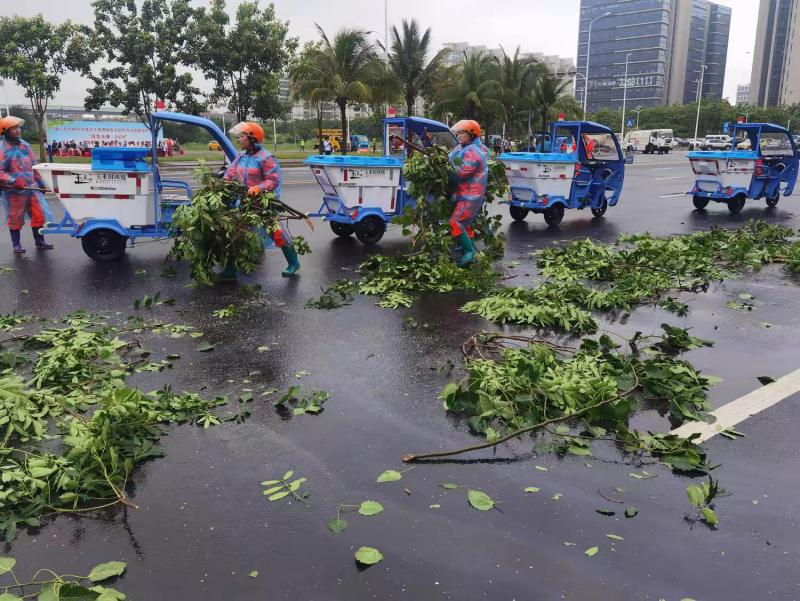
(254, 191)
(19, 183)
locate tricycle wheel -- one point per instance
(736, 204)
(104, 245)
(342, 229)
(518, 213)
(700, 203)
(553, 215)
(370, 229)
(601, 210)
(773, 200)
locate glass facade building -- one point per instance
(775, 79)
(666, 42)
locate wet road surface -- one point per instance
(203, 524)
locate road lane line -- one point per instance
(673, 177)
(671, 195)
(745, 406)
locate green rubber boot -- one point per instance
(292, 264)
(465, 242)
(227, 275)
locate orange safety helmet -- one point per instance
(10, 122)
(469, 126)
(253, 130)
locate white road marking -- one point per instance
(673, 177)
(745, 406)
(671, 195)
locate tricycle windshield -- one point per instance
(440, 138)
(776, 144)
(600, 147)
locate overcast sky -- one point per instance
(548, 26)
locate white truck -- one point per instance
(649, 141)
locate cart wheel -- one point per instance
(518, 213)
(736, 204)
(370, 229)
(104, 245)
(700, 203)
(553, 215)
(773, 200)
(342, 229)
(601, 210)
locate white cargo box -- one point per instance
(359, 182)
(123, 196)
(533, 172)
(713, 172)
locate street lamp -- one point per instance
(588, 48)
(585, 87)
(699, 98)
(637, 110)
(625, 93)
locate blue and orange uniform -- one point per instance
(469, 174)
(17, 174)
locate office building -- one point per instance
(743, 93)
(666, 43)
(775, 77)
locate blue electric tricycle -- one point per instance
(362, 194)
(762, 163)
(586, 169)
(121, 197)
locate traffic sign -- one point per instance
(726, 127)
(630, 123)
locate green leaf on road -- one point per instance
(106, 570)
(480, 500)
(368, 556)
(591, 551)
(7, 564)
(370, 508)
(614, 537)
(389, 476)
(204, 347)
(531, 489)
(631, 512)
(337, 525)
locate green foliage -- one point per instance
(143, 45)
(508, 387)
(9, 321)
(278, 489)
(587, 276)
(368, 556)
(480, 500)
(52, 586)
(36, 54)
(243, 59)
(302, 401)
(701, 497)
(212, 231)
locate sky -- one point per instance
(507, 23)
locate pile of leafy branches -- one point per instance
(223, 226)
(72, 429)
(430, 267)
(585, 275)
(516, 384)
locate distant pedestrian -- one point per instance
(302, 145)
(374, 145)
(326, 145)
(49, 152)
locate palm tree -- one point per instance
(339, 71)
(518, 77)
(473, 92)
(305, 76)
(546, 94)
(407, 61)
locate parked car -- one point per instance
(718, 142)
(680, 143)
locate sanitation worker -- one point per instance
(258, 171)
(17, 177)
(469, 172)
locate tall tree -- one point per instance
(340, 70)
(518, 77)
(143, 49)
(305, 76)
(244, 59)
(546, 93)
(384, 89)
(408, 61)
(36, 54)
(474, 91)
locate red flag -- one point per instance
(391, 111)
(160, 106)
(561, 116)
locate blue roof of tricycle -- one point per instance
(418, 123)
(723, 154)
(764, 127)
(587, 127)
(352, 161)
(207, 124)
